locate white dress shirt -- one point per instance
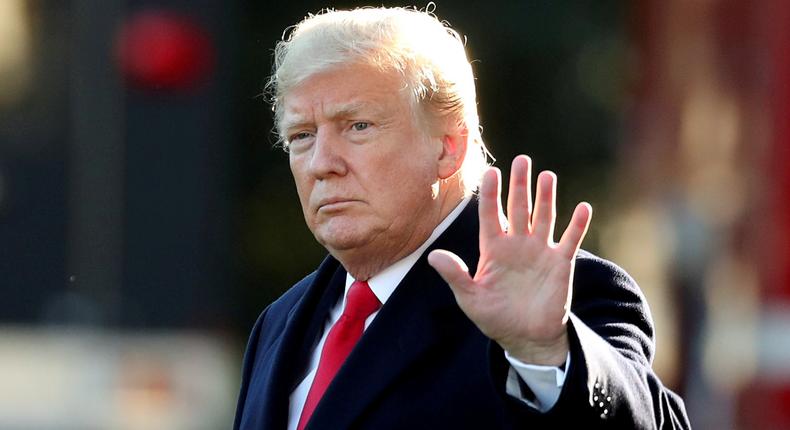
(545, 381)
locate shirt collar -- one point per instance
(385, 282)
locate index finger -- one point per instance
(490, 204)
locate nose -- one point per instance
(327, 158)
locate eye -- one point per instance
(297, 142)
(298, 136)
(360, 126)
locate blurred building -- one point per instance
(704, 183)
(116, 119)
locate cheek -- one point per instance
(413, 169)
(298, 169)
(302, 183)
(404, 184)
(406, 166)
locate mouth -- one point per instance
(333, 204)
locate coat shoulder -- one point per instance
(276, 314)
(599, 278)
(291, 297)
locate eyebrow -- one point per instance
(344, 110)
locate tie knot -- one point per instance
(360, 301)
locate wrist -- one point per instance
(542, 353)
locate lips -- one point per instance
(333, 202)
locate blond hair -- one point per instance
(428, 54)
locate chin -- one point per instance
(341, 240)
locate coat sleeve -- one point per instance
(610, 382)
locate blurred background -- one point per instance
(146, 219)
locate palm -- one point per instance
(514, 273)
(520, 294)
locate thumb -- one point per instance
(452, 269)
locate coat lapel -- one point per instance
(418, 318)
(302, 331)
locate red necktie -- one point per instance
(344, 334)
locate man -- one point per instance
(432, 310)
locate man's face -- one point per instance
(362, 167)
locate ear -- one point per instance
(453, 152)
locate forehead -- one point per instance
(345, 91)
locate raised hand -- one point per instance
(520, 295)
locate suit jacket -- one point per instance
(422, 364)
